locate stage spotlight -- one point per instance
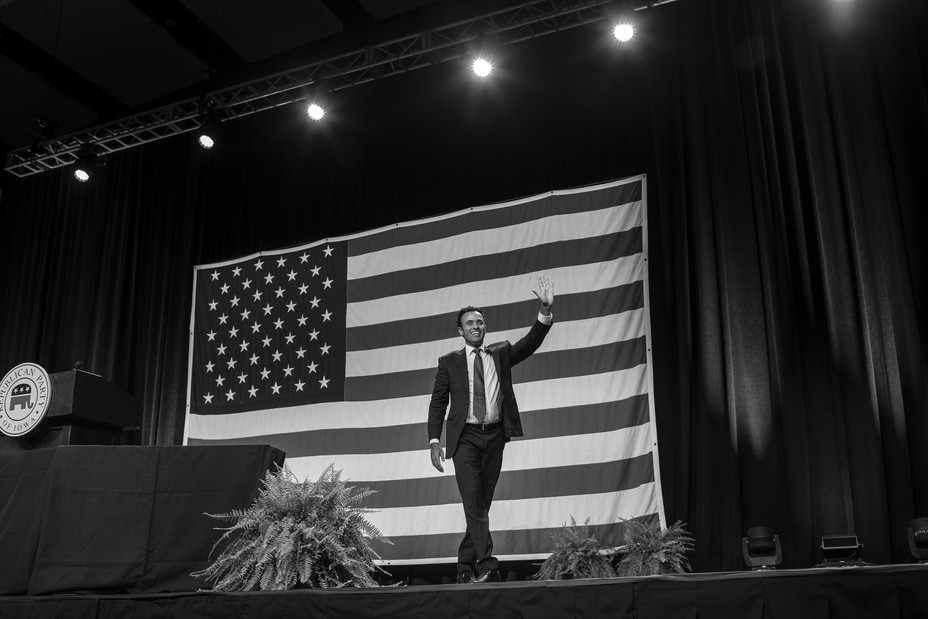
(318, 100)
(208, 133)
(624, 32)
(85, 164)
(482, 67)
(918, 539)
(761, 549)
(315, 111)
(82, 171)
(841, 551)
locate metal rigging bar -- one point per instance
(504, 27)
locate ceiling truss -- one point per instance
(519, 23)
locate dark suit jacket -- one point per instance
(451, 382)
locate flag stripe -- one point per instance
(560, 393)
(493, 217)
(563, 228)
(537, 256)
(427, 329)
(568, 335)
(558, 364)
(600, 508)
(589, 419)
(510, 289)
(525, 454)
(547, 482)
(519, 544)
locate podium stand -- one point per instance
(85, 409)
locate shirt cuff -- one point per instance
(546, 320)
(432, 442)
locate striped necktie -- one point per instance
(480, 392)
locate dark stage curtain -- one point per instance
(784, 143)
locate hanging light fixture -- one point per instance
(623, 22)
(208, 133)
(318, 101)
(483, 55)
(86, 164)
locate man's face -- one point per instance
(472, 328)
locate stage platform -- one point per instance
(847, 593)
(99, 532)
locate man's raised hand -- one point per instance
(545, 293)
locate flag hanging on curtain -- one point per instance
(328, 351)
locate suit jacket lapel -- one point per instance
(494, 352)
(461, 363)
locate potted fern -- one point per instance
(650, 550)
(577, 554)
(297, 535)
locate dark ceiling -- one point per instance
(78, 63)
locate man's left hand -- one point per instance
(545, 294)
(437, 456)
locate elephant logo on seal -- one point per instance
(21, 397)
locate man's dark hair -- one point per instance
(469, 308)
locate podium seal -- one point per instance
(25, 392)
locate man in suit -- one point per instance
(482, 418)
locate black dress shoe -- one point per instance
(465, 578)
(491, 575)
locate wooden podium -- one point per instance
(85, 409)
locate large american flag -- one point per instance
(328, 351)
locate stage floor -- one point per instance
(845, 593)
